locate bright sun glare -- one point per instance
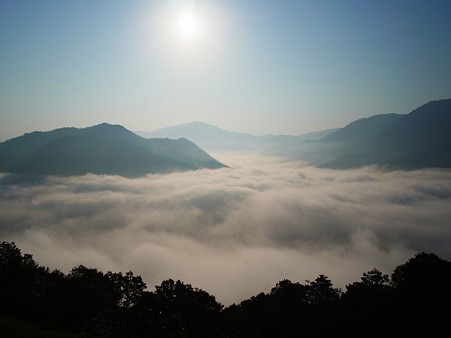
(188, 25)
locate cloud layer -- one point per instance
(233, 232)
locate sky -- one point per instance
(257, 66)
(233, 232)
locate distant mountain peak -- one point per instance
(107, 126)
(213, 138)
(199, 123)
(100, 149)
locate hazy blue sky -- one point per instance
(260, 66)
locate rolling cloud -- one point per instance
(233, 232)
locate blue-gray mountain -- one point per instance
(213, 138)
(420, 139)
(101, 149)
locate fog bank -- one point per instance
(234, 231)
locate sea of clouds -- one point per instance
(235, 231)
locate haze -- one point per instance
(280, 67)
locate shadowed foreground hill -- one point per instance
(102, 149)
(414, 300)
(420, 139)
(15, 328)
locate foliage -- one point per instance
(86, 301)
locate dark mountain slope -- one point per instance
(183, 150)
(15, 150)
(102, 149)
(420, 139)
(364, 129)
(427, 125)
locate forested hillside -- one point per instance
(413, 300)
(101, 149)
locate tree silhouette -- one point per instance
(321, 292)
(423, 294)
(250, 318)
(176, 309)
(128, 288)
(90, 299)
(21, 282)
(415, 301)
(288, 306)
(368, 304)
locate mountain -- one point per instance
(364, 129)
(214, 138)
(420, 139)
(101, 149)
(207, 136)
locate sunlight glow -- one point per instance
(188, 25)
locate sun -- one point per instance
(188, 25)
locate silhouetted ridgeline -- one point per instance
(420, 139)
(412, 302)
(212, 138)
(101, 149)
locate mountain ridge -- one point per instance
(419, 139)
(99, 149)
(213, 138)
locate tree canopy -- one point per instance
(415, 298)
